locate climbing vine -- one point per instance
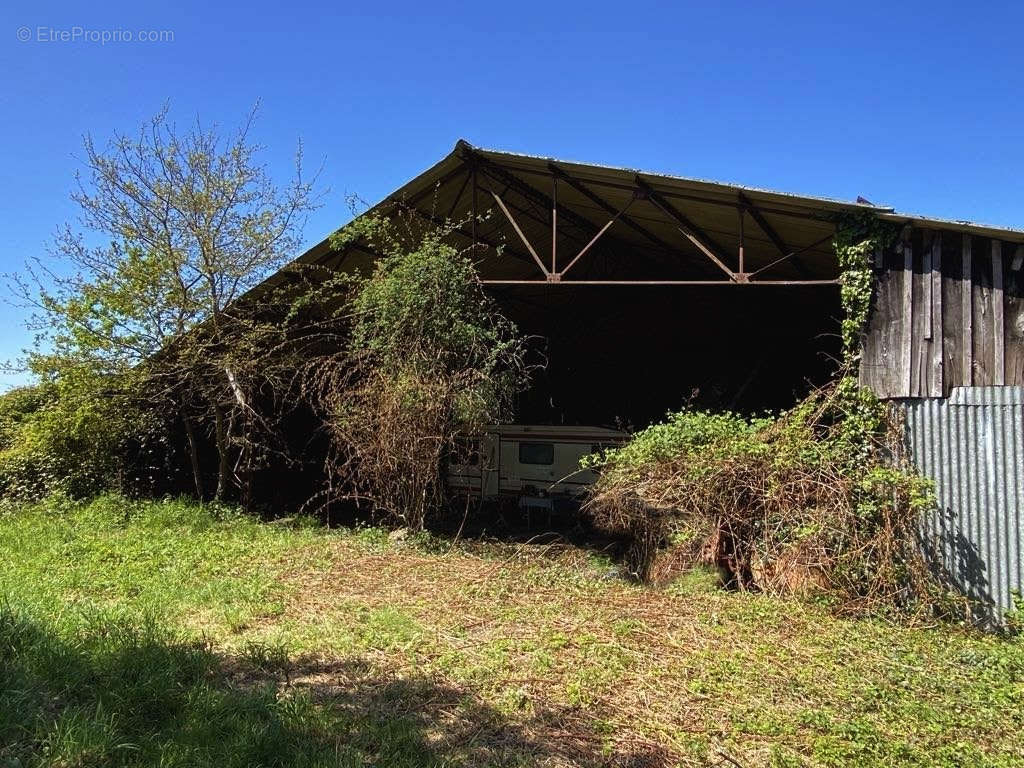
(857, 237)
(865, 419)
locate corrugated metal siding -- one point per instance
(972, 445)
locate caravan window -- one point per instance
(536, 453)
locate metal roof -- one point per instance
(764, 194)
(612, 171)
(647, 241)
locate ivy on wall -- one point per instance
(858, 237)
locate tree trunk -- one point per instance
(244, 464)
(193, 451)
(223, 454)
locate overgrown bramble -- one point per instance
(819, 499)
(429, 358)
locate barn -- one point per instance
(651, 292)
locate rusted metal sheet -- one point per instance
(971, 445)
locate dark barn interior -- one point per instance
(625, 355)
(645, 293)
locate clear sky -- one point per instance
(912, 104)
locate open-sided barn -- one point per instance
(655, 291)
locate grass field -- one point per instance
(164, 634)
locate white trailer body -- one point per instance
(516, 460)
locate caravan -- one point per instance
(528, 461)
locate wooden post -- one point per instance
(938, 340)
(999, 335)
(967, 312)
(926, 283)
(908, 318)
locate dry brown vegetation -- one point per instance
(429, 359)
(819, 501)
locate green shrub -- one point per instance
(430, 359)
(818, 500)
(55, 438)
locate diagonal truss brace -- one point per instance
(701, 240)
(690, 231)
(787, 253)
(519, 231)
(620, 215)
(553, 275)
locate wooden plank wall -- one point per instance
(948, 311)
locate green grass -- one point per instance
(136, 633)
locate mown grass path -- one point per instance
(163, 634)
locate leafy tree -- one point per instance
(178, 227)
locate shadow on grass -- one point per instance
(114, 693)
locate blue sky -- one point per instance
(916, 105)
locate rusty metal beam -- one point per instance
(791, 255)
(554, 223)
(620, 215)
(675, 195)
(703, 241)
(742, 270)
(774, 236)
(527, 213)
(527, 191)
(500, 175)
(767, 228)
(607, 207)
(773, 283)
(522, 235)
(700, 239)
